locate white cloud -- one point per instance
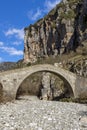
(1, 43)
(18, 33)
(17, 43)
(1, 59)
(34, 16)
(11, 50)
(49, 4)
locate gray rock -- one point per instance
(42, 115)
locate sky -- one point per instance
(15, 15)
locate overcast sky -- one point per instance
(15, 15)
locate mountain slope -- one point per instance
(64, 29)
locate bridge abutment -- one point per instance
(81, 87)
(9, 89)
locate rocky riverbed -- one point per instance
(30, 113)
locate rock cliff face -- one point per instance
(61, 31)
(53, 88)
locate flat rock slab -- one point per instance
(42, 115)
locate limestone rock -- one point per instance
(52, 87)
(61, 31)
(46, 90)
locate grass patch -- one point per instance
(75, 100)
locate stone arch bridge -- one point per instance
(11, 80)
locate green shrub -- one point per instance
(69, 15)
(76, 100)
(53, 24)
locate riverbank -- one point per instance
(33, 114)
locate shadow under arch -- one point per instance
(27, 85)
(1, 92)
(67, 84)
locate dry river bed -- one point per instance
(30, 113)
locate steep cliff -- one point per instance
(64, 29)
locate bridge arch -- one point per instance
(66, 76)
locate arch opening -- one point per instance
(32, 85)
(29, 86)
